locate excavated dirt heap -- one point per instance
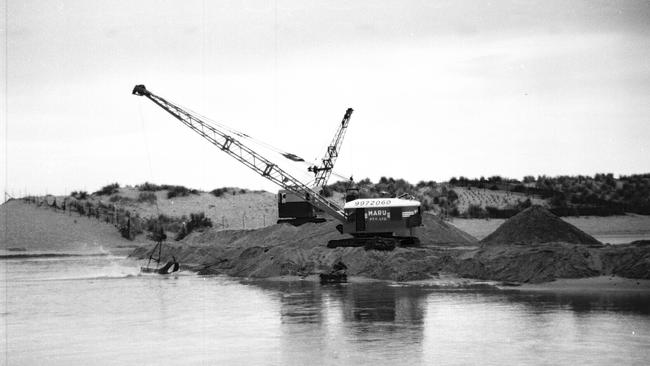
(279, 250)
(537, 225)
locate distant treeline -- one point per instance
(600, 195)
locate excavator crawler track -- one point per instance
(383, 243)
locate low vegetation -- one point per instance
(80, 195)
(147, 197)
(108, 190)
(220, 192)
(180, 191)
(167, 223)
(116, 198)
(197, 221)
(172, 190)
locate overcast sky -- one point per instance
(439, 88)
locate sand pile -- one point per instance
(532, 264)
(537, 225)
(549, 261)
(553, 249)
(437, 232)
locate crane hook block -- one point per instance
(140, 90)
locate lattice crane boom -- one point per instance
(244, 154)
(322, 174)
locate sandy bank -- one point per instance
(27, 227)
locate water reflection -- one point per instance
(350, 322)
(525, 327)
(306, 302)
(381, 323)
(359, 303)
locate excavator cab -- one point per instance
(295, 210)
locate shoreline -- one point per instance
(598, 284)
(446, 281)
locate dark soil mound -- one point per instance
(537, 225)
(437, 232)
(532, 263)
(280, 250)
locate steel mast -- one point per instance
(323, 173)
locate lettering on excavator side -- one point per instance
(366, 203)
(377, 215)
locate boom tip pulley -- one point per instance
(140, 90)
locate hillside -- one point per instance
(130, 214)
(28, 227)
(234, 209)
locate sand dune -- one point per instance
(29, 227)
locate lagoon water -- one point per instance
(99, 311)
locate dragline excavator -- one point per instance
(375, 223)
(293, 208)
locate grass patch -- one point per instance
(180, 191)
(172, 190)
(197, 221)
(219, 192)
(121, 199)
(148, 197)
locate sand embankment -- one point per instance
(27, 227)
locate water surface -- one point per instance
(98, 310)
